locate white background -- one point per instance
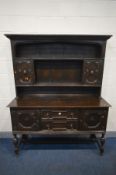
(56, 17)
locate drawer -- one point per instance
(59, 113)
(60, 120)
(93, 119)
(25, 120)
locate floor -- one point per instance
(57, 159)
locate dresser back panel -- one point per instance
(57, 50)
(30, 90)
(57, 71)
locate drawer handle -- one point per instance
(47, 114)
(24, 71)
(71, 125)
(92, 72)
(59, 113)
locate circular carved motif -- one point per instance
(26, 120)
(92, 121)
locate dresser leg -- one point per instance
(101, 142)
(16, 141)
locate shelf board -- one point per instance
(54, 101)
(60, 58)
(49, 84)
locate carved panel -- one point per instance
(92, 72)
(59, 120)
(25, 120)
(93, 119)
(24, 72)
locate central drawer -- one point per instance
(59, 119)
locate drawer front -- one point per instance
(25, 120)
(92, 72)
(93, 120)
(24, 72)
(60, 120)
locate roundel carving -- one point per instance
(92, 120)
(28, 120)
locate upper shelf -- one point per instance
(58, 46)
(49, 84)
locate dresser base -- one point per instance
(54, 116)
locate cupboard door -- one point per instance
(25, 120)
(24, 72)
(92, 72)
(93, 120)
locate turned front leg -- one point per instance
(102, 140)
(16, 141)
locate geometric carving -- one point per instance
(59, 120)
(26, 120)
(24, 72)
(92, 72)
(93, 119)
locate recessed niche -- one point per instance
(59, 72)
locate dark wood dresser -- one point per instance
(58, 82)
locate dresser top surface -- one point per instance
(54, 101)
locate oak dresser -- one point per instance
(58, 80)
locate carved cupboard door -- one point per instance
(92, 72)
(24, 72)
(25, 120)
(93, 119)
